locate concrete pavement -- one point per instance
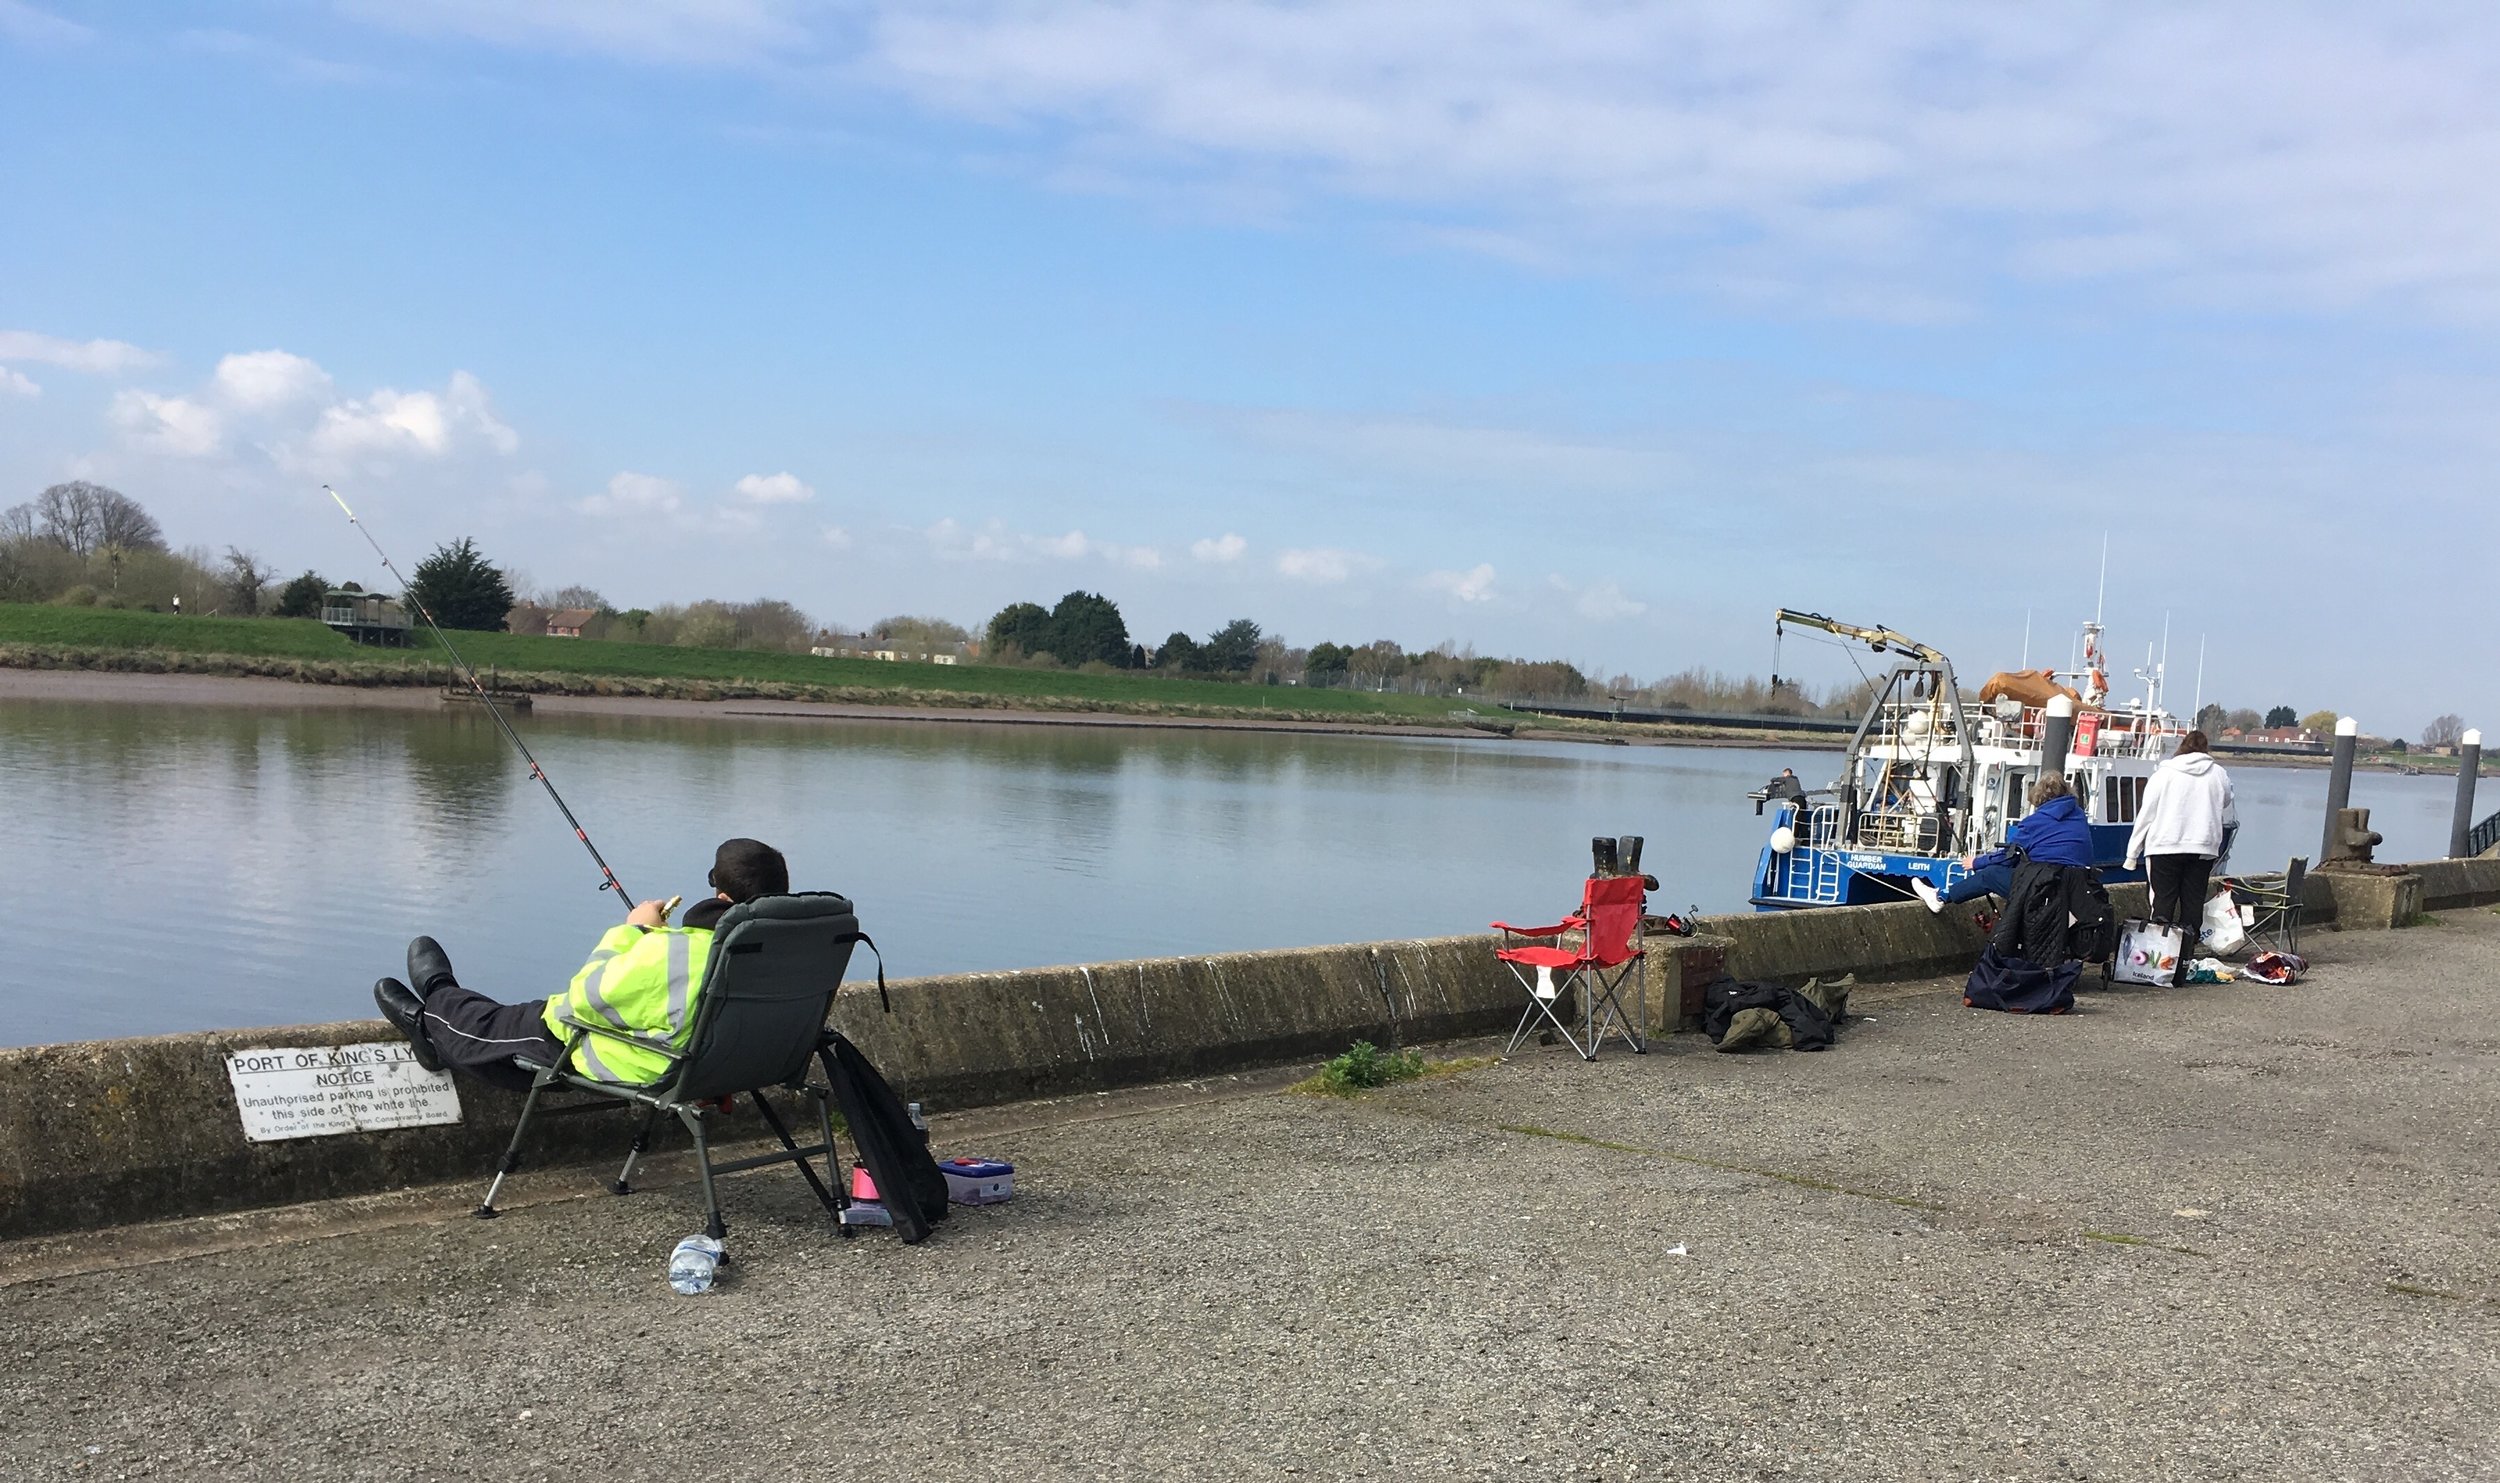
(2235, 1232)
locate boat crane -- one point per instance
(1929, 778)
(1939, 799)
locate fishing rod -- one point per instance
(469, 673)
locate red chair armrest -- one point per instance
(1567, 924)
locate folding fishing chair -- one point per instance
(767, 988)
(1606, 957)
(2273, 904)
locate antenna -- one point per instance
(2200, 680)
(2026, 664)
(2100, 600)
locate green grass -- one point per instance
(1363, 1066)
(99, 638)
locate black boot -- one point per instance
(429, 967)
(406, 1012)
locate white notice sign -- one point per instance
(306, 1092)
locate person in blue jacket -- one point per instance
(2053, 833)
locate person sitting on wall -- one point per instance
(2053, 833)
(645, 978)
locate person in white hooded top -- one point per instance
(2183, 824)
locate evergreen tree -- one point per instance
(1178, 654)
(301, 597)
(1232, 649)
(461, 588)
(1087, 626)
(2282, 715)
(1023, 627)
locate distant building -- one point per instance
(568, 623)
(870, 646)
(366, 617)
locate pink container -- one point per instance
(862, 1187)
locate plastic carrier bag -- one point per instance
(2225, 930)
(2147, 954)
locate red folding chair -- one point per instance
(1608, 957)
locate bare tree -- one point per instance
(245, 576)
(2445, 731)
(576, 596)
(17, 522)
(86, 517)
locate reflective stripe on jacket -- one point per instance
(644, 982)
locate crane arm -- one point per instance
(1878, 639)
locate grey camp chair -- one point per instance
(766, 991)
(2274, 904)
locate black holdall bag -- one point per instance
(895, 1151)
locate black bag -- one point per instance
(896, 1153)
(2019, 986)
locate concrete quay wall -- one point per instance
(109, 1132)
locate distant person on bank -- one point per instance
(2055, 832)
(2182, 827)
(644, 978)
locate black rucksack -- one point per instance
(896, 1152)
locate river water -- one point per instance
(175, 867)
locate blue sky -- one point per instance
(1569, 329)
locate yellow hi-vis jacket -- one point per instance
(644, 982)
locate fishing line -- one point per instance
(469, 673)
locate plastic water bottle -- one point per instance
(917, 1120)
(694, 1264)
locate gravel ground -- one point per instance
(2232, 1232)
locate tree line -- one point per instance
(84, 544)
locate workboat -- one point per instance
(1931, 777)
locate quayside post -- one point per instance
(2461, 823)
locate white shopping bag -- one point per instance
(2147, 954)
(2224, 931)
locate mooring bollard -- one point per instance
(2339, 783)
(2057, 735)
(2461, 823)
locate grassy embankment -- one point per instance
(35, 637)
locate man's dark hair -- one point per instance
(2194, 741)
(748, 868)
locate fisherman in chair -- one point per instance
(643, 978)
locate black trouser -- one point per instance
(478, 1037)
(2179, 883)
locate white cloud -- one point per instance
(993, 540)
(838, 538)
(774, 489)
(1866, 157)
(24, 23)
(1605, 603)
(265, 380)
(1323, 565)
(422, 423)
(13, 383)
(173, 425)
(97, 357)
(684, 32)
(1472, 586)
(1456, 452)
(630, 493)
(1227, 547)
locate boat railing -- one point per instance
(1902, 830)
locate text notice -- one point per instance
(312, 1090)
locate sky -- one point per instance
(1571, 329)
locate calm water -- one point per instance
(176, 867)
